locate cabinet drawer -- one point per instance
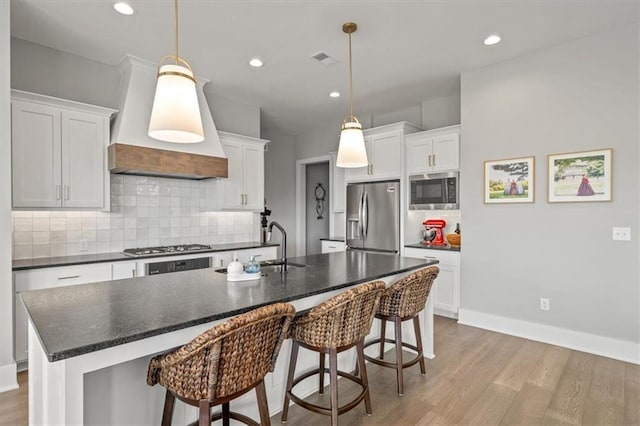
(444, 257)
(55, 277)
(333, 246)
(264, 253)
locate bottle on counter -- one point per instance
(253, 267)
(235, 267)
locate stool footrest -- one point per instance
(388, 364)
(327, 410)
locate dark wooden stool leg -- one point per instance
(226, 414)
(205, 413)
(383, 335)
(167, 413)
(333, 377)
(363, 376)
(321, 374)
(398, 326)
(292, 369)
(263, 407)
(416, 327)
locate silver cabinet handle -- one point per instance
(430, 257)
(69, 277)
(135, 273)
(246, 199)
(434, 160)
(57, 192)
(429, 160)
(332, 247)
(66, 192)
(241, 199)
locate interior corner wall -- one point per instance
(578, 96)
(280, 184)
(440, 112)
(7, 363)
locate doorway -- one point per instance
(317, 206)
(305, 194)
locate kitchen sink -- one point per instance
(270, 266)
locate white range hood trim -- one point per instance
(137, 89)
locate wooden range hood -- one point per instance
(139, 160)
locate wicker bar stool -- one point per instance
(224, 363)
(334, 326)
(403, 301)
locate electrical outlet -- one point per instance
(544, 304)
(621, 234)
(84, 245)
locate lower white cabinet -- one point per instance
(333, 246)
(38, 279)
(446, 288)
(123, 270)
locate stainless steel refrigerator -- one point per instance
(373, 219)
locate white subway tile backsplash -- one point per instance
(145, 211)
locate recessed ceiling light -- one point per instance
(492, 39)
(334, 94)
(123, 8)
(256, 62)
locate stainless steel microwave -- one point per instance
(434, 191)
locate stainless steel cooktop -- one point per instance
(161, 250)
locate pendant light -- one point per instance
(175, 116)
(351, 150)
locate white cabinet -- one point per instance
(384, 152)
(446, 288)
(244, 188)
(58, 152)
(37, 279)
(123, 270)
(433, 150)
(333, 246)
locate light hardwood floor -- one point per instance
(478, 378)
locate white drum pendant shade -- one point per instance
(351, 151)
(175, 116)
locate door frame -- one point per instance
(301, 208)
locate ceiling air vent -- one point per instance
(324, 59)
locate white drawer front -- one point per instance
(444, 257)
(333, 246)
(261, 253)
(36, 279)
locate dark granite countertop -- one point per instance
(50, 262)
(424, 246)
(340, 239)
(76, 320)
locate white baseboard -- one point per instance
(8, 378)
(623, 350)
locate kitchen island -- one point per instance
(89, 344)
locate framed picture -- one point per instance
(509, 181)
(580, 176)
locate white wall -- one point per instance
(41, 69)
(280, 184)
(7, 363)
(441, 112)
(316, 228)
(578, 96)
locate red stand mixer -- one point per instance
(433, 234)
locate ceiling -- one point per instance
(404, 52)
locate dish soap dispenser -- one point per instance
(253, 267)
(235, 267)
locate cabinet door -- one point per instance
(254, 177)
(123, 270)
(83, 150)
(232, 186)
(20, 332)
(361, 173)
(446, 155)
(446, 291)
(386, 161)
(418, 151)
(35, 155)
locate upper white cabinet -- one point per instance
(58, 152)
(384, 152)
(433, 150)
(244, 188)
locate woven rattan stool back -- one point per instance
(228, 358)
(407, 296)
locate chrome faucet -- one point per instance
(283, 259)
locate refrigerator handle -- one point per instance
(360, 217)
(365, 214)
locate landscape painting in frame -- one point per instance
(580, 176)
(509, 180)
